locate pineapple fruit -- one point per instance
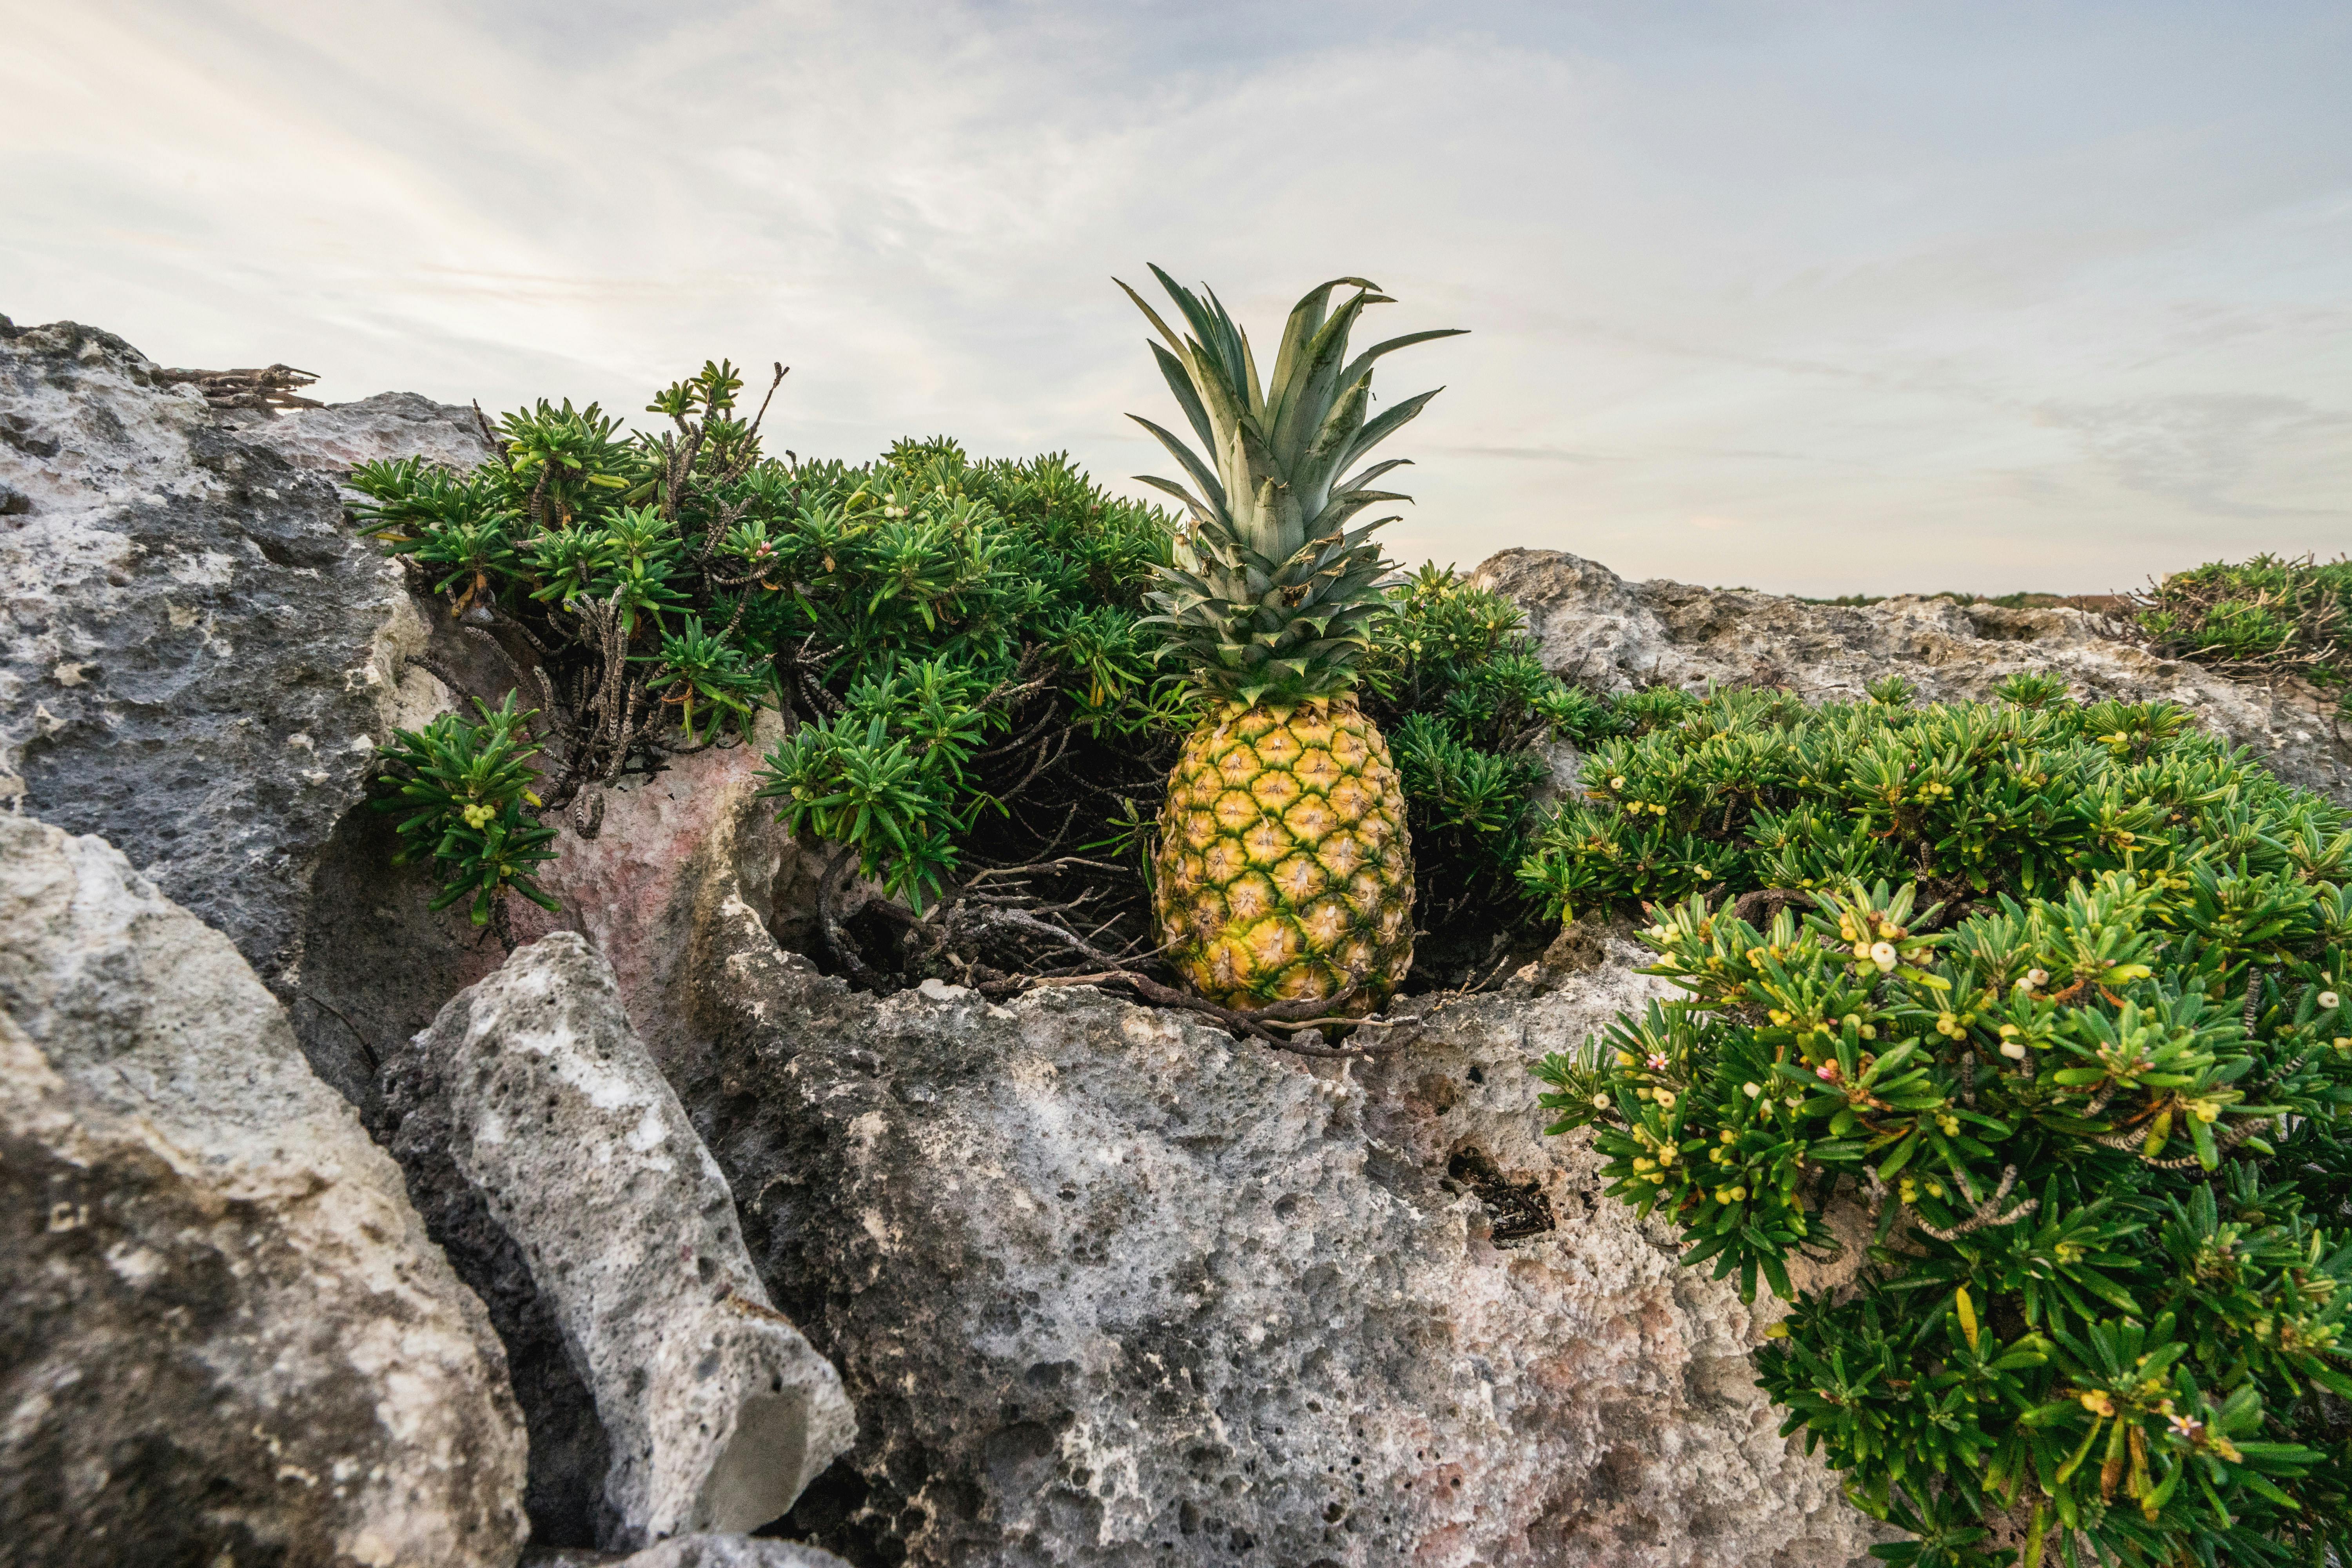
(1284, 871)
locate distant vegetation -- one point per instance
(2272, 617)
(2021, 601)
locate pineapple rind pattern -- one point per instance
(1285, 870)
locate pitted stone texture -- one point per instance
(1590, 623)
(197, 654)
(339, 437)
(697, 1552)
(534, 1089)
(224, 1334)
(1110, 1287)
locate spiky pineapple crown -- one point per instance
(1271, 592)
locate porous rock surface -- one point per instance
(536, 1129)
(696, 1552)
(1108, 1286)
(1590, 623)
(224, 1335)
(199, 655)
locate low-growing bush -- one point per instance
(950, 645)
(1749, 789)
(2260, 618)
(974, 714)
(1455, 681)
(466, 789)
(2063, 1033)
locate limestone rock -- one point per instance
(533, 1091)
(197, 654)
(225, 1335)
(1108, 1288)
(697, 1552)
(1588, 621)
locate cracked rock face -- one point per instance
(197, 654)
(538, 1132)
(1590, 622)
(1108, 1287)
(224, 1335)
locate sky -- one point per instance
(1814, 297)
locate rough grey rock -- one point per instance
(1588, 621)
(696, 1552)
(533, 1090)
(1108, 1287)
(225, 1335)
(197, 654)
(339, 437)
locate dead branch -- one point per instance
(270, 389)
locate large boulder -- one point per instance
(558, 1166)
(1109, 1286)
(198, 655)
(225, 1335)
(1591, 624)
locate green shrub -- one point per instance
(2270, 616)
(1753, 789)
(897, 615)
(927, 603)
(2094, 1130)
(1454, 679)
(466, 787)
(953, 647)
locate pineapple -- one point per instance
(1284, 870)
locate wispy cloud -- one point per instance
(1919, 295)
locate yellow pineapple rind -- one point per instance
(1284, 869)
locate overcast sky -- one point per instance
(1817, 297)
